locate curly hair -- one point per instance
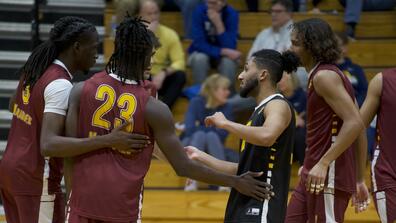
(319, 39)
(66, 31)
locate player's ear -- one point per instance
(263, 74)
(76, 46)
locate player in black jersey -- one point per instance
(267, 139)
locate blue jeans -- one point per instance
(208, 142)
(200, 64)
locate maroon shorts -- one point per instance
(23, 208)
(385, 203)
(75, 218)
(327, 206)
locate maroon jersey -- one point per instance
(22, 166)
(108, 185)
(383, 168)
(323, 126)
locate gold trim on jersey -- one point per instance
(26, 95)
(243, 143)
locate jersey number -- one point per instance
(125, 102)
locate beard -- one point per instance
(249, 87)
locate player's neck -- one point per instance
(264, 93)
(68, 63)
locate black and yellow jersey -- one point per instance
(274, 162)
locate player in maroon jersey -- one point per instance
(30, 182)
(107, 185)
(328, 177)
(380, 101)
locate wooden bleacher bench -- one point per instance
(371, 25)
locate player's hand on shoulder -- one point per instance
(249, 186)
(361, 198)
(217, 120)
(126, 142)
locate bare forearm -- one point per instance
(347, 135)
(59, 146)
(219, 165)
(68, 170)
(253, 135)
(361, 156)
(202, 173)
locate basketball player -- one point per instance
(267, 139)
(108, 185)
(30, 183)
(328, 177)
(380, 101)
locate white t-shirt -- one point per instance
(56, 94)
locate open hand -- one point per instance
(249, 186)
(126, 142)
(192, 152)
(316, 178)
(361, 198)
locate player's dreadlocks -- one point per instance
(133, 47)
(65, 33)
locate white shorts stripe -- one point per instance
(46, 210)
(375, 158)
(328, 197)
(381, 206)
(264, 211)
(139, 220)
(331, 175)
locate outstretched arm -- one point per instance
(160, 120)
(54, 144)
(212, 162)
(277, 117)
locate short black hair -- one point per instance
(319, 39)
(276, 63)
(288, 4)
(133, 48)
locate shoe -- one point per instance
(191, 185)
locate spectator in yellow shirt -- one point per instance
(168, 69)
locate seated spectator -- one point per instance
(213, 98)
(289, 87)
(353, 71)
(354, 8)
(168, 68)
(214, 40)
(276, 37)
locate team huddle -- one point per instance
(101, 134)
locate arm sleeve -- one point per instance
(56, 96)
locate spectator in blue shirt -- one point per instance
(353, 71)
(214, 34)
(213, 98)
